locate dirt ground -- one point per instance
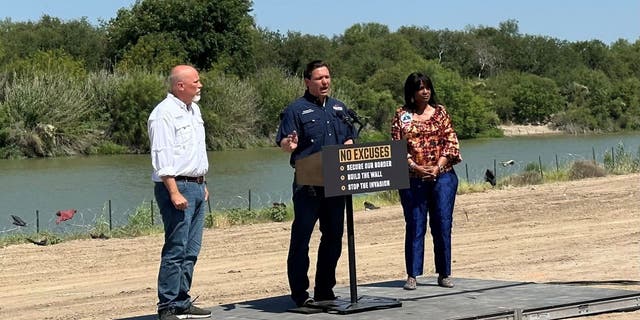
(586, 230)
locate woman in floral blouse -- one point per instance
(433, 149)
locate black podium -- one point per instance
(344, 170)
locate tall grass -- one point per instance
(48, 114)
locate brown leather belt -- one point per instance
(198, 180)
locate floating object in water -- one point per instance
(507, 163)
(64, 215)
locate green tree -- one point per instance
(297, 50)
(78, 38)
(589, 102)
(210, 32)
(625, 59)
(627, 92)
(471, 113)
(524, 98)
(359, 52)
(48, 62)
(594, 54)
(267, 46)
(156, 52)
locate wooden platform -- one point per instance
(470, 299)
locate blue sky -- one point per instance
(572, 20)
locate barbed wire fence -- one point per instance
(86, 219)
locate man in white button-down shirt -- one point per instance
(179, 160)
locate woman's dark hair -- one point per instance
(315, 64)
(412, 84)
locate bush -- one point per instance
(229, 111)
(620, 162)
(585, 169)
(276, 90)
(135, 95)
(523, 179)
(47, 114)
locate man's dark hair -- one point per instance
(315, 64)
(412, 85)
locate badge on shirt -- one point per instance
(337, 107)
(307, 111)
(405, 117)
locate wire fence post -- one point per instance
(249, 199)
(613, 158)
(152, 222)
(110, 223)
(557, 166)
(540, 165)
(495, 170)
(593, 152)
(466, 169)
(37, 221)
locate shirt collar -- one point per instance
(179, 102)
(315, 100)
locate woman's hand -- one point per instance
(428, 172)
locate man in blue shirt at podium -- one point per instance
(308, 123)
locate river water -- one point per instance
(239, 178)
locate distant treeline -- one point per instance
(69, 87)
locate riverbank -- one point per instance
(539, 233)
(526, 130)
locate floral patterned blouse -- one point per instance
(427, 140)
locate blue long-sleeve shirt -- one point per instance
(316, 125)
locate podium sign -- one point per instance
(367, 167)
(344, 170)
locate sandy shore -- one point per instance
(523, 130)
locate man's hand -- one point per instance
(289, 143)
(179, 201)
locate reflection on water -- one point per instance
(237, 178)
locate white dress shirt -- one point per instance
(176, 133)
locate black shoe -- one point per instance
(193, 312)
(308, 302)
(324, 296)
(167, 314)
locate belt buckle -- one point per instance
(199, 179)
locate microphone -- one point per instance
(354, 116)
(344, 117)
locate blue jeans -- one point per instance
(432, 201)
(182, 242)
(310, 205)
